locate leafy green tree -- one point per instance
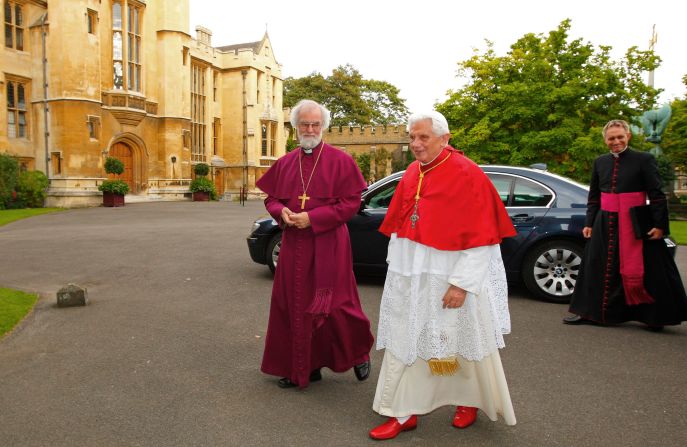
(666, 171)
(401, 162)
(291, 143)
(546, 100)
(352, 99)
(674, 143)
(363, 161)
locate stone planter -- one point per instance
(112, 199)
(200, 196)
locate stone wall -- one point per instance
(384, 144)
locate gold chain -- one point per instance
(422, 175)
(415, 216)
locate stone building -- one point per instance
(87, 79)
(385, 144)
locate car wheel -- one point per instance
(550, 270)
(273, 249)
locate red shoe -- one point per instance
(391, 428)
(465, 417)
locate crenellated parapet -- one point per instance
(367, 134)
(382, 145)
(361, 139)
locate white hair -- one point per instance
(309, 104)
(439, 123)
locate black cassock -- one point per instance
(599, 294)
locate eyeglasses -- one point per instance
(304, 125)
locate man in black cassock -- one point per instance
(623, 278)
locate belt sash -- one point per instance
(630, 249)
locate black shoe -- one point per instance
(654, 328)
(315, 375)
(285, 382)
(576, 319)
(362, 371)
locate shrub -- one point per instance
(32, 189)
(201, 169)
(203, 184)
(114, 186)
(291, 144)
(403, 161)
(9, 168)
(363, 161)
(114, 166)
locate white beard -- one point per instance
(309, 143)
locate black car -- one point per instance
(547, 211)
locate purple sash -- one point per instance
(630, 249)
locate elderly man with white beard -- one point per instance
(315, 320)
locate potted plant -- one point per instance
(202, 187)
(113, 190)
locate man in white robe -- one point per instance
(444, 308)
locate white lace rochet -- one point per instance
(412, 321)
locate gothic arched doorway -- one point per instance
(123, 152)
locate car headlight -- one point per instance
(255, 226)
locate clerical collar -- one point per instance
(309, 151)
(424, 165)
(617, 154)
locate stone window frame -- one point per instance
(264, 140)
(117, 46)
(199, 108)
(14, 28)
(215, 78)
(268, 138)
(127, 43)
(56, 163)
(93, 125)
(91, 21)
(134, 42)
(257, 87)
(186, 138)
(16, 112)
(216, 135)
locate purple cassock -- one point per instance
(315, 315)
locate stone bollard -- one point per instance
(72, 295)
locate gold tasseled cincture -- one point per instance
(443, 367)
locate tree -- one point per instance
(401, 162)
(546, 100)
(351, 99)
(363, 161)
(675, 137)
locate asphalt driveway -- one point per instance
(167, 351)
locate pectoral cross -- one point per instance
(303, 198)
(414, 217)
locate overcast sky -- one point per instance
(416, 45)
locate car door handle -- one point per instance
(522, 218)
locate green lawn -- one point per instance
(678, 230)
(14, 306)
(7, 216)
